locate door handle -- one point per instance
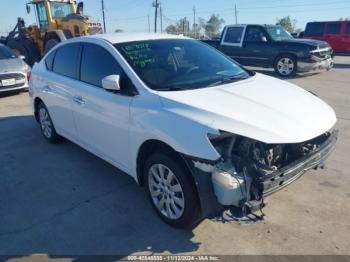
(79, 100)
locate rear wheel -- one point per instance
(286, 65)
(47, 128)
(171, 191)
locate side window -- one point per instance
(67, 60)
(233, 35)
(333, 28)
(97, 63)
(314, 29)
(49, 61)
(254, 34)
(348, 28)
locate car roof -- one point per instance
(250, 25)
(115, 38)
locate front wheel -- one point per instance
(286, 65)
(171, 191)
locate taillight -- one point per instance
(29, 74)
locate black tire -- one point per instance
(286, 71)
(50, 44)
(191, 211)
(23, 45)
(52, 136)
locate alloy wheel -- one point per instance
(285, 66)
(45, 122)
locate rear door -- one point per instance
(231, 42)
(57, 88)
(101, 116)
(333, 35)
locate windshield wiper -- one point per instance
(227, 80)
(172, 88)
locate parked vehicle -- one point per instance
(195, 128)
(57, 21)
(336, 33)
(14, 71)
(272, 46)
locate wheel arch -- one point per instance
(282, 54)
(150, 146)
(36, 103)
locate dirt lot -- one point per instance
(60, 199)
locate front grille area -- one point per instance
(16, 76)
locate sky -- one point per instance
(132, 15)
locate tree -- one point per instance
(343, 19)
(212, 26)
(118, 30)
(287, 23)
(180, 27)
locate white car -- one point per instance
(200, 132)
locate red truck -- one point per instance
(336, 33)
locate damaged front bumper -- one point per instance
(220, 186)
(283, 177)
(315, 64)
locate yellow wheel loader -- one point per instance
(57, 21)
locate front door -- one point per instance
(257, 47)
(101, 116)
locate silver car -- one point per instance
(14, 72)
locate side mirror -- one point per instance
(80, 8)
(22, 57)
(111, 83)
(28, 8)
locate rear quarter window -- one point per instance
(49, 61)
(233, 35)
(314, 29)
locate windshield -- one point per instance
(60, 10)
(6, 53)
(179, 64)
(278, 33)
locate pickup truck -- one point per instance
(272, 46)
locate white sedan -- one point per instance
(199, 131)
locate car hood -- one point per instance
(12, 65)
(261, 107)
(310, 42)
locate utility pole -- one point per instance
(161, 17)
(236, 14)
(155, 5)
(103, 16)
(149, 25)
(194, 22)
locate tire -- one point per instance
(50, 44)
(23, 45)
(47, 128)
(286, 65)
(175, 201)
